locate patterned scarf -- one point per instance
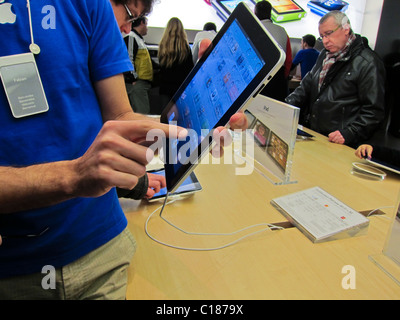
(331, 58)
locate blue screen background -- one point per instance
(186, 185)
(222, 78)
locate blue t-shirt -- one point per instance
(80, 43)
(307, 59)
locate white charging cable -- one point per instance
(268, 228)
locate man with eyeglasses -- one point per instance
(59, 169)
(342, 97)
(59, 208)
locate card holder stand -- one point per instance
(261, 169)
(320, 216)
(388, 265)
(389, 259)
(268, 143)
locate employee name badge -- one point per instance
(22, 85)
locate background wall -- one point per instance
(372, 19)
(195, 13)
(388, 48)
(389, 28)
(378, 20)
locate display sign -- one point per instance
(389, 259)
(273, 127)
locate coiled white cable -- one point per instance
(269, 227)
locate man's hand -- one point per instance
(156, 183)
(336, 137)
(238, 121)
(118, 156)
(222, 136)
(364, 151)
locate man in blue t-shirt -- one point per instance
(59, 168)
(59, 209)
(307, 56)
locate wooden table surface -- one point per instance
(272, 264)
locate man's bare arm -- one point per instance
(35, 186)
(115, 159)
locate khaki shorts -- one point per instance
(99, 275)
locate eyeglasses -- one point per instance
(131, 18)
(328, 33)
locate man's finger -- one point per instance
(238, 121)
(138, 130)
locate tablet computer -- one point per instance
(224, 8)
(240, 60)
(286, 10)
(322, 7)
(384, 165)
(188, 187)
(301, 134)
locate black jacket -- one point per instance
(351, 98)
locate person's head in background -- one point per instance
(210, 26)
(174, 44)
(308, 41)
(335, 30)
(262, 10)
(140, 25)
(127, 11)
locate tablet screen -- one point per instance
(284, 6)
(229, 5)
(384, 165)
(231, 71)
(230, 68)
(188, 186)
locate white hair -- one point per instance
(340, 18)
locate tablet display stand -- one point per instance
(389, 259)
(320, 216)
(268, 143)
